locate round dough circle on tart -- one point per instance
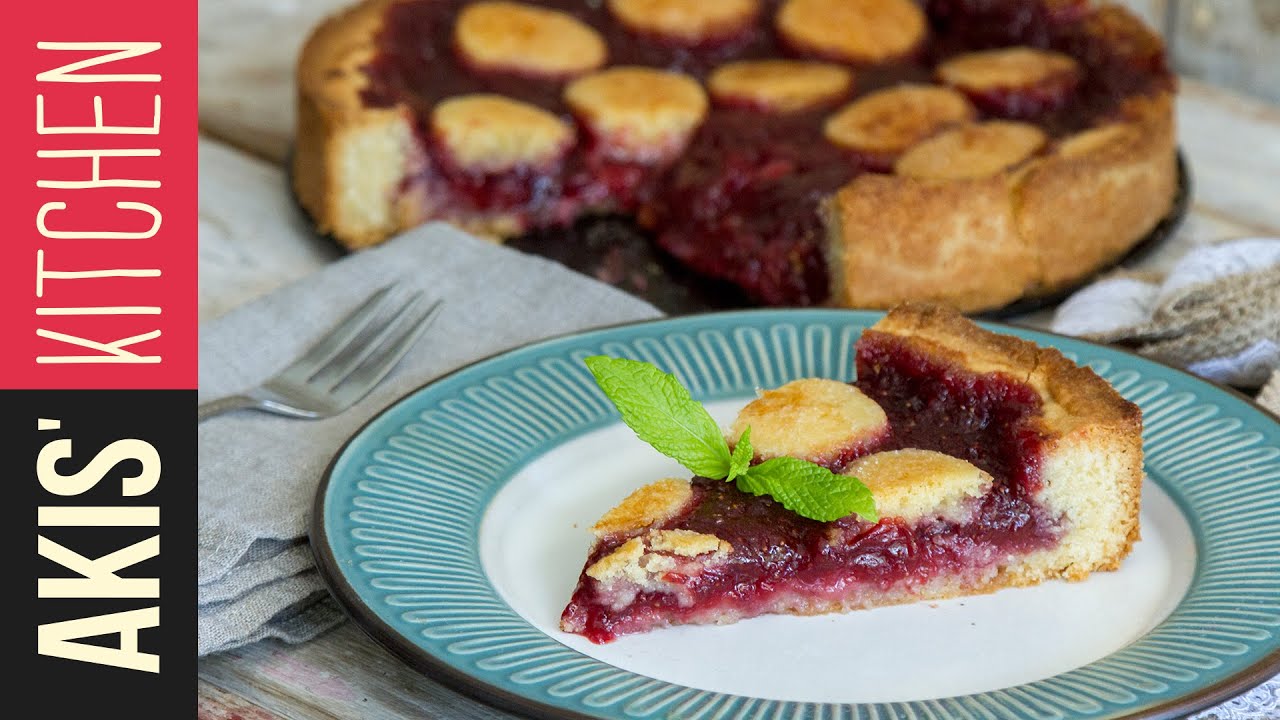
(1097, 139)
(882, 124)
(812, 418)
(779, 85)
(912, 483)
(490, 133)
(638, 114)
(1013, 82)
(858, 31)
(686, 21)
(515, 37)
(975, 150)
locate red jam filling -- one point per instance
(986, 419)
(741, 205)
(778, 556)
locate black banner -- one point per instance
(109, 596)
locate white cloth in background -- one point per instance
(1113, 304)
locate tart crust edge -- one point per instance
(1087, 209)
(1054, 219)
(348, 160)
(1091, 469)
(351, 162)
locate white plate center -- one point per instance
(534, 539)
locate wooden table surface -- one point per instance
(253, 240)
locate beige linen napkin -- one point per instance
(258, 472)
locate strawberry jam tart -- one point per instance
(993, 463)
(852, 153)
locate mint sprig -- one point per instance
(661, 412)
(809, 490)
(743, 453)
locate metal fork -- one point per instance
(343, 366)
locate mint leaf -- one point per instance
(662, 413)
(742, 455)
(809, 490)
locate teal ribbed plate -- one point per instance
(452, 528)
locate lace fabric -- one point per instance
(1217, 312)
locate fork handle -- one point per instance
(225, 404)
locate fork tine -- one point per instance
(365, 343)
(338, 338)
(389, 352)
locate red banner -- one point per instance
(99, 252)
(98, 285)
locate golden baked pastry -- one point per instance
(779, 85)
(841, 177)
(505, 36)
(914, 484)
(1017, 81)
(975, 150)
(813, 419)
(858, 31)
(490, 133)
(878, 126)
(637, 113)
(686, 21)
